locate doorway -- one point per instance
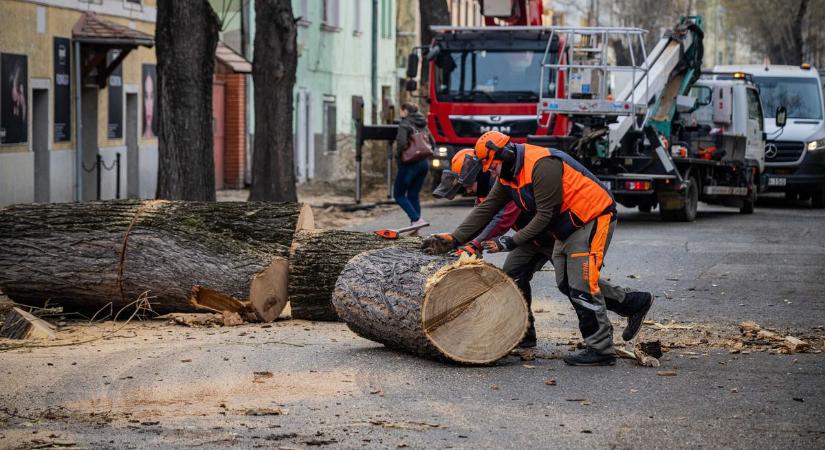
(218, 114)
(132, 150)
(40, 144)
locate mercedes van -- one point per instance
(795, 153)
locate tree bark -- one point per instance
(83, 256)
(186, 36)
(433, 12)
(464, 310)
(797, 50)
(273, 74)
(318, 257)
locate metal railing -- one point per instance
(584, 52)
(97, 166)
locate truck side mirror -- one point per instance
(411, 85)
(412, 65)
(781, 116)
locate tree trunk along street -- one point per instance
(186, 36)
(273, 73)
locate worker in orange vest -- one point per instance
(567, 203)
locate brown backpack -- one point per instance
(419, 147)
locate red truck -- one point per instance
(487, 78)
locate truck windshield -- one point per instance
(483, 76)
(800, 96)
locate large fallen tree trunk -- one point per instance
(318, 257)
(465, 310)
(84, 256)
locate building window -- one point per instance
(133, 5)
(356, 29)
(303, 13)
(330, 127)
(331, 19)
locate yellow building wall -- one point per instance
(18, 22)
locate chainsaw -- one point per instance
(394, 234)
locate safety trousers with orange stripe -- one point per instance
(578, 262)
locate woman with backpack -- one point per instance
(414, 146)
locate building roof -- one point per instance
(94, 30)
(232, 59)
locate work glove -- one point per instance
(469, 249)
(439, 244)
(499, 244)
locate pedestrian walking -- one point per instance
(414, 145)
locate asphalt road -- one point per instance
(160, 385)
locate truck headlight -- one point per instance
(436, 163)
(442, 151)
(816, 145)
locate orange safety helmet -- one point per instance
(487, 155)
(458, 159)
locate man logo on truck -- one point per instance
(503, 128)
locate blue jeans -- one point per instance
(408, 183)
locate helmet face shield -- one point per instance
(469, 171)
(449, 186)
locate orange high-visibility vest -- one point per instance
(584, 197)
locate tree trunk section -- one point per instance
(84, 256)
(186, 36)
(460, 310)
(273, 74)
(318, 257)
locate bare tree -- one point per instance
(779, 30)
(186, 34)
(273, 73)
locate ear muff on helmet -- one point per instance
(488, 145)
(449, 186)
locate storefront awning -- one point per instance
(97, 37)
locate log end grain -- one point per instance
(21, 325)
(473, 312)
(268, 292)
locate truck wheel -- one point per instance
(687, 213)
(645, 207)
(749, 203)
(818, 198)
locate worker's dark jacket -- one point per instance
(408, 125)
(558, 194)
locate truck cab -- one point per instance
(484, 79)
(795, 153)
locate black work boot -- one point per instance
(634, 322)
(529, 340)
(589, 357)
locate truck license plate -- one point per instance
(777, 181)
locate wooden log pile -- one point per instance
(245, 261)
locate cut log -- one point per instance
(21, 325)
(318, 257)
(85, 255)
(464, 310)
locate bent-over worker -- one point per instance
(567, 203)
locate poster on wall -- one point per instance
(149, 84)
(14, 93)
(62, 91)
(114, 127)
